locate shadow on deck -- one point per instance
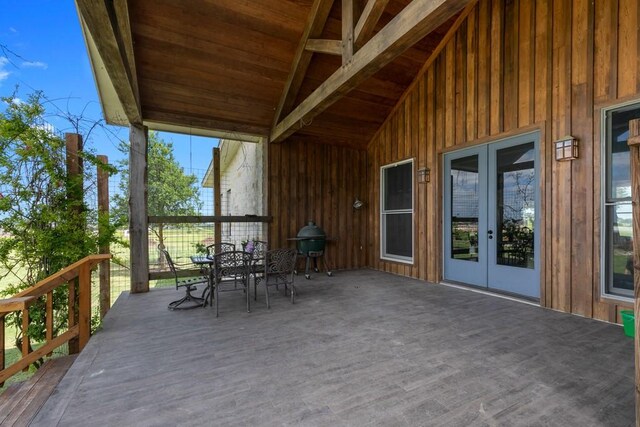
(359, 348)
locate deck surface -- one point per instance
(360, 348)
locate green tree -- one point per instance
(44, 228)
(170, 190)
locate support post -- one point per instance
(76, 198)
(634, 148)
(25, 335)
(103, 216)
(138, 221)
(217, 199)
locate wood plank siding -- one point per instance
(515, 66)
(320, 182)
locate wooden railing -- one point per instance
(79, 325)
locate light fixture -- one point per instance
(358, 204)
(424, 175)
(566, 148)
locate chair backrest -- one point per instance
(231, 263)
(280, 261)
(172, 266)
(217, 248)
(259, 249)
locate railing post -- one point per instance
(2, 366)
(103, 213)
(25, 335)
(73, 343)
(634, 152)
(49, 318)
(84, 305)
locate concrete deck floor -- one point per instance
(360, 348)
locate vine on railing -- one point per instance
(79, 311)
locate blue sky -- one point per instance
(48, 53)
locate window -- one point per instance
(396, 211)
(617, 229)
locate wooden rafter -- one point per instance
(367, 23)
(315, 24)
(347, 31)
(331, 47)
(112, 37)
(415, 21)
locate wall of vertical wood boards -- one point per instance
(514, 66)
(311, 181)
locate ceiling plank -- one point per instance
(101, 18)
(414, 22)
(367, 23)
(331, 47)
(313, 29)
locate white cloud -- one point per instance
(4, 73)
(13, 30)
(34, 64)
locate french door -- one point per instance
(491, 210)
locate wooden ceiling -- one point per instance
(224, 64)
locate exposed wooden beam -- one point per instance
(331, 47)
(367, 23)
(416, 20)
(347, 31)
(315, 24)
(105, 22)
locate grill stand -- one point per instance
(314, 255)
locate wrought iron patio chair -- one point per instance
(217, 248)
(189, 284)
(230, 266)
(279, 265)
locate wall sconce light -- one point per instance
(566, 148)
(424, 175)
(358, 204)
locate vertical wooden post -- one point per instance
(103, 215)
(347, 31)
(25, 335)
(84, 305)
(76, 197)
(138, 215)
(217, 189)
(634, 148)
(49, 318)
(2, 338)
(73, 343)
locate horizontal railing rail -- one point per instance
(195, 219)
(79, 329)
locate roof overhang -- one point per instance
(233, 70)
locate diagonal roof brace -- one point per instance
(414, 22)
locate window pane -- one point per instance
(618, 153)
(515, 206)
(398, 183)
(398, 234)
(620, 249)
(465, 202)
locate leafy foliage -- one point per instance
(44, 222)
(170, 190)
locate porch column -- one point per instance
(217, 199)
(138, 220)
(634, 148)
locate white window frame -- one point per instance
(383, 214)
(604, 178)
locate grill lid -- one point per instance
(311, 230)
